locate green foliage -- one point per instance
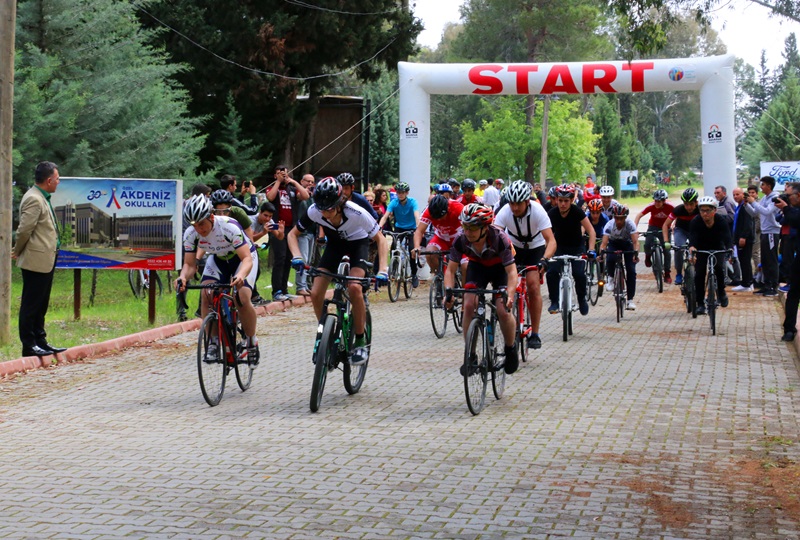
(384, 147)
(237, 155)
(776, 128)
(611, 151)
(661, 155)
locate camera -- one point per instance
(247, 183)
(783, 196)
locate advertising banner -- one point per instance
(118, 223)
(629, 180)
(781, 171)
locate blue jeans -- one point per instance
(304, 241)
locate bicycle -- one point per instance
(139, 280)
(657, 258)
(436, 304)
(687, 286)
(595, 276)
(618, 281)
(567, 295)
(400, 266)
(335, 336)
(711, 301)
(231, 352)
(484, 351)
(522, 317)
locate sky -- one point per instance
(745, 30)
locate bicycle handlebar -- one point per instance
(215, 286)
(496, 292)
(365, 281)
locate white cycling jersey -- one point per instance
(224, 239)
(356, 224)
(525, 232)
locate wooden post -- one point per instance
(151, 298)
(8, 17)
(76, 293)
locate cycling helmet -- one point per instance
(619, 210)
(438, 206)
(346, 179)
(565, 191)
(477, 214)
(519, 191)
(221, 196)
(552, 192)
(707, 201)
(595, 205)
(328, 194)
(197, 208)
(689, 195)
(454, 182)
(660, 195)
(444, 188)
(469, 183)
(402, 187)
(607, 191)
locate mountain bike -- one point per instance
(440, 314)
(484, 350)
(567, 295)
(618, 281)
(656, 257)
(522, 317)
(139, 280)
(222, 323)
(711, 301)
(335, 335)
(400, 266)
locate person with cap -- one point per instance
(482, 185)
(468, 195)
(492, 194)
(456, 185)
(708, 231)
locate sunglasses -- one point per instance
(471, 227)
(222, 212)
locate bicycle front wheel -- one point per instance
(566, 309)
(244, 370)
(136, 281)
(475, 366)
(211, 368)
(619, 293)
(498, 355)
(394, 280)
(437, 306)
(324, 359)
(354, 375)
(658, 268)
(592, 281)
(711, 308)
(408, 286)
(522, 323)
(690, 292)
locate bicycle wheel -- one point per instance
(592, 281)
(159, 284)
(210, 370)
(136, 281)
(601, 276)
(456, 313)
(354, 375)
(619, 293)
(711, 307)
(408, 286)
(658, 268)
(324, 358)
(522, 324)
(498, 357)
(475, 373)
(394, 280)
(244, 371)
(437, 307)
(690, 292)
(566, 309)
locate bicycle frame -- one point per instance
(226, 330)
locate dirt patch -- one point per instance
(769, 484)
(668, 512)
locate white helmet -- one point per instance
(519, 191)
(197, 208)
(707, 201)
(607, 191)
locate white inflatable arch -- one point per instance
(712, 77)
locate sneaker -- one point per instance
(280, 297)
(758, 286)
(414, 282)
(584, 307)
(647, 261)
(534, 341)
(770, 293)
(609, 286)
(253, 352)
(512, 360)
(742, 288)
(679, 280)
(723, 300)
(667, 277)
(630, 306)
(473, 368)
(788, 336)
(700, 310)
(360, 355)
(784, 288)
(553, 308)
(259, 301)
(212, 353)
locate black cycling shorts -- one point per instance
(480, 276)
(357, 250)
(529, 257)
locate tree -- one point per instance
(237, 155)
(791, 58)
(611, 151)
(778, 128)
(384, 135)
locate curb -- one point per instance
(81, 352)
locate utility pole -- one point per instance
(8, 19)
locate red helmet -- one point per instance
(477, 214)
(620, 210)
(595, 205)
(566, 191)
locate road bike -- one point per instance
(567, 294)
(619, 282)
(522, 317)
(711, 301)
(687, 286)
(222, 327)
(139, 280)
(656, 257)
(484, 350)
(336, 338)
(400, 266)
(440, 313)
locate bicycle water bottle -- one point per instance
(226, 311)
(490, 333)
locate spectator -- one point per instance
(482, 185)
(36, 252)
(791, 216)
(743, 238)
(228, 183)
(306, 238)
(758, 279)
(770, 232)
(380, 205)
(491, 195)
(726, 208)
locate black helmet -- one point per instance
(438, 207)
(221, 196)
(346, 179)
(453, 182)
(469, 183)
(689, 195)
(328, 194)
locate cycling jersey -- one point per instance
(447, 227)
(356, 224)
(682, 217)
(225, 238)
(616, 234)
(526, 231)
(497, 249)
(403, 213)
(463, 199)
(607, 211)
(658, 215)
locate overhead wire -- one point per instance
(300, 3)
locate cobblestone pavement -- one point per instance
(640, 429)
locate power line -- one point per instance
(300, 3)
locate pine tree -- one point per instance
(237, 155)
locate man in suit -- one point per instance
(35, 253)
(744, 236)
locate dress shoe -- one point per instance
(35, 351)
(52, 348)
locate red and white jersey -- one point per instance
(447, 227)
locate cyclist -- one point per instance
(659, 211)
(681, 215)
(607, 196)
(567, 220)
(707, 232)
(443, 216)
(468, 193)
(232, 259)
(456, 185)
(491, 259)
(406, 218)
(348, 183)
(349, 229)
(597, 218)
(222, 201)
(620, 234)
(528, 226)
(445, 190)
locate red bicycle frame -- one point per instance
(522, 299)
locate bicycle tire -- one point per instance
(565, 310)
(354, 375)
(691, 293)
(592, 281)
(136, 283)
(211, 372)
(601, 275)
(658, 268)
(521, 324)
(324, 359)
(619, 293)
(711, 303)
(456, 313)
(498, 360)
(394, 280)
(438, 314)
(408, 286)
(475, 380)
(159, 284)
(244, 370)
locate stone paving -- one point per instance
(631, 430)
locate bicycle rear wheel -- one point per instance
(498, 357)
(394, 280)
(136, 281)
(437, 307)
(211, 370)
(711, 308)
(690, 292)
(408, 286)
(354, 375)
(658, 268)
(476, 370)
(619, 293)
(324, 359)
(592, 281)
(244, 370)
(566, 310)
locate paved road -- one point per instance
(646, 429)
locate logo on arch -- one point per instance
(676, 74)
(411, 131)
(714, 134)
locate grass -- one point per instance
(115, 311)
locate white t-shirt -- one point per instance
(526, 229)
(615, 234)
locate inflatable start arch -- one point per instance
(712, 77)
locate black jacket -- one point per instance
(743, 226)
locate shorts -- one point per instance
(529, 257)
(357, 250)
(439, 244)
(479, 276)
(221, 271)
